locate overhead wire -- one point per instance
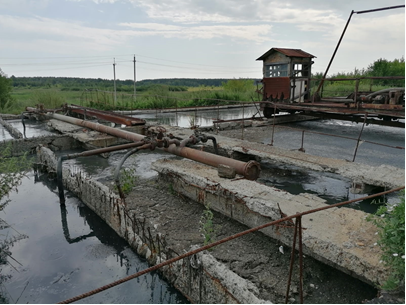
(86, 63)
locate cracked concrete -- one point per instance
(250, 269)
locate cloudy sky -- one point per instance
(190, 38)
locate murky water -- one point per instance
(331, 187)
(341, 148)
(198, 117)
(33, 128)
(59, 253)
(65, 252)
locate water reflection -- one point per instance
(70, 250)
(33, 128)
(199, 117)
(331, 187)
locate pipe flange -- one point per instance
(252, 170)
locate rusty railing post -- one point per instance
(273, 123)
(300, 260)
(243, 123)
(359, 137)
(292, 261)
(301, 147)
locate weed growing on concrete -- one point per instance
(128, 180)
(206, 225)
(390, 221)
(171, 189)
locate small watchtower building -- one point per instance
(286, 75)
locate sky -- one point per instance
(190, 38)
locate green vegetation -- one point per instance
(127, 180)
(12, 170)
(390, 221)
(171, 93)
(380, 68)
(207, 226)
(5, 92)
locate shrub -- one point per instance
(390, 221)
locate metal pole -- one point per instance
(301, 148)
(135, 79)
(114, 71)
(292, 261)
(334, 54)
(342, 35)
(176, 113)
(300, 260)
(273, 123)
(359, 137)
(226, 239)
(242, 126)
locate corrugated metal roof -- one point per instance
(287, 52)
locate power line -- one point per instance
(67, 68)
(106, 56)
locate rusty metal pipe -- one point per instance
(106, 115)
(250, 170)
(214, 144)
(216, 243)
(120, 164)
(84, 154)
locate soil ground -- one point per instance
(254, 257)
(258, 134)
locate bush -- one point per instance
(390, 220)
(50, 98)
(5, 90)
(12, 170)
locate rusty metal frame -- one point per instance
(298, 226)
(250, 170)
(105, 115)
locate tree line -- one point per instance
(76, 83)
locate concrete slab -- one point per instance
(339, 237)
(384, 175)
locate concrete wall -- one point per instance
(55, 142)
(339, 237)
(16, 134)
(201, 278)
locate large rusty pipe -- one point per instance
(250, 170)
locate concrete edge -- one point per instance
(214, 283)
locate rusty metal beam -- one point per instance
(396, 111)
(250, 170)
(106, 115)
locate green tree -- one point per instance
(239, 85)
(383, 67)
(5, 90)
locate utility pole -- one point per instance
(135, 79)
(114, 71)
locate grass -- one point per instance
(207, 226)
(390, 221)
(158, 97)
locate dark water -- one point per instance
(198, 117)
(63, 252)
(331, 187)
(341, 148)
(33, 128)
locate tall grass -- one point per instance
(159, 96)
